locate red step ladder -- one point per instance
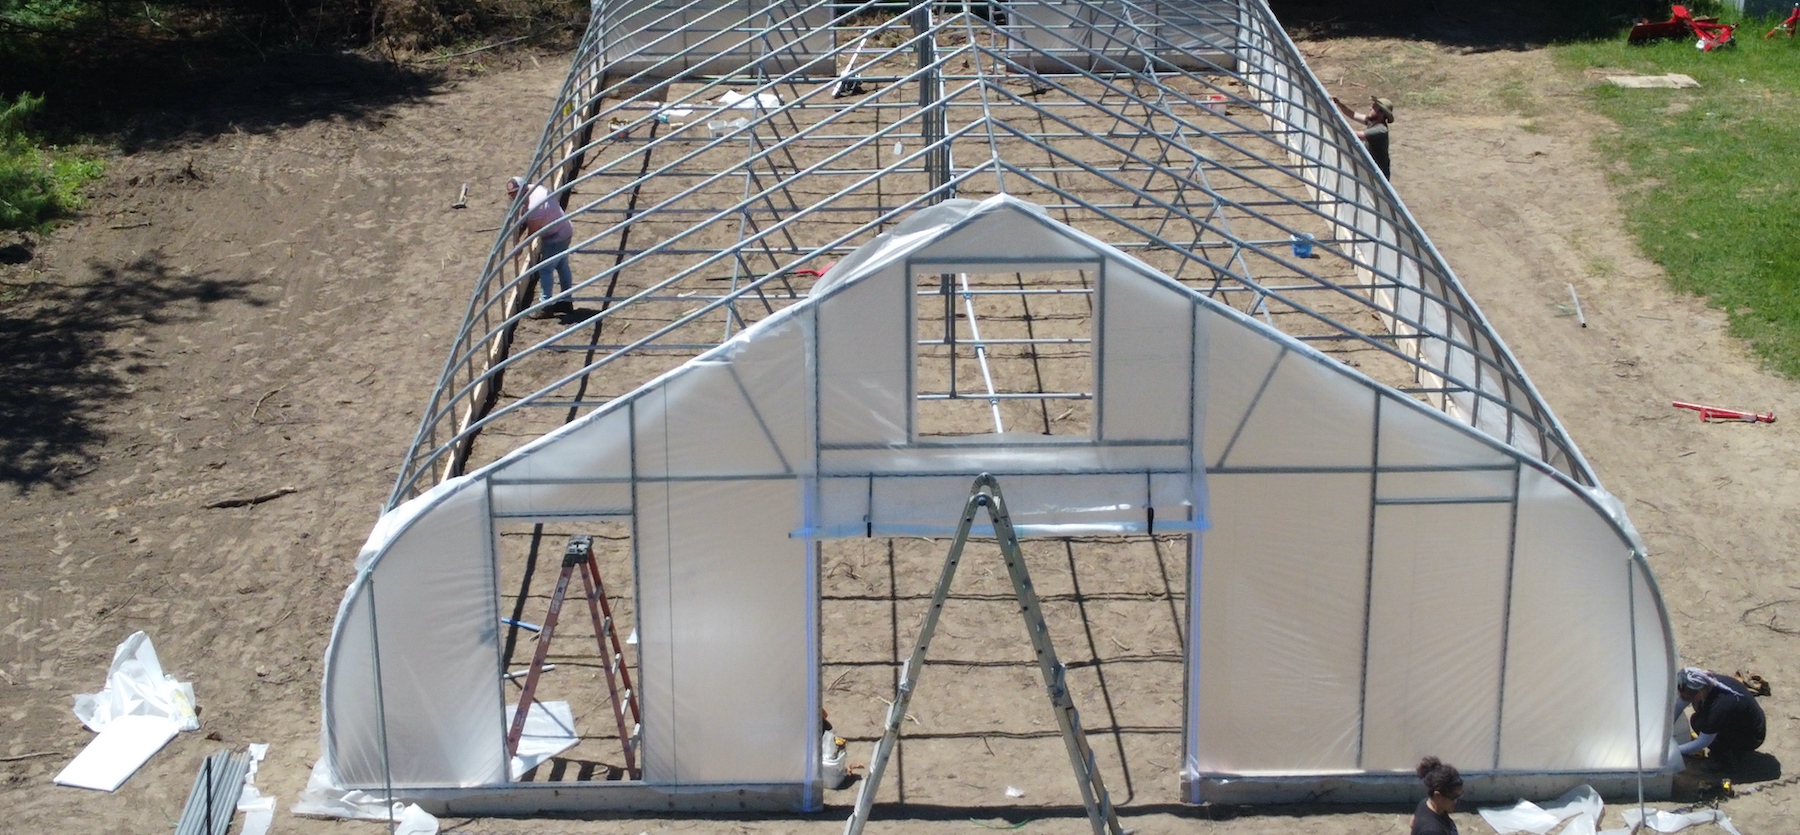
(580, 555)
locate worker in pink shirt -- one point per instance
(544, 218)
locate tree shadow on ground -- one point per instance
(64, 370)
(148, 97)
(1473, 25)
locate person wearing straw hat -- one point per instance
(1375, 131)
(544, 218)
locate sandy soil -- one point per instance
(247, 312)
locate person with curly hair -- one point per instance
(1443, 785)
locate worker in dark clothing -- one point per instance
(1375, 131)
(1727, 721)
(1443, 785)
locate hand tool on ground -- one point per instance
(1710, 413)
(848, 84)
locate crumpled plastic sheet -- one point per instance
(136, 686)
(412, 820)
(1662, 821)
(258, 808)
(1581, 803)
(741, 101)
(323, 799)
(142, 707)
(549, 730)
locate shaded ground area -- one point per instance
(74, 352)
(1478, 26)
(337, 271)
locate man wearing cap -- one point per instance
(1375, 134)
(544, 218)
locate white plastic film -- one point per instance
(1009, 453)
(699, 423)
(596, 447)
(1412, 436)
(723, 444)
(1281, 623)
(1010, 230)
(440, 693)
(1308, 415)
(723, 604)
(1436, 606)
(350, 733)
(771, 371)
(865, 357)
(537, 500)
(1445, 484)
(1239, 360)
(1570, 609)
(1656, 666)
(1119, 502)
(1146, 349)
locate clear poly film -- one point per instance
(1281, 624)
(1362, 547)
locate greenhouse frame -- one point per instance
(836, 260)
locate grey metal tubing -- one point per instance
(1479, 349)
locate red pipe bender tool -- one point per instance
(1709, 413)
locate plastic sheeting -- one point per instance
(137, 686)
(1581, 803)
(1663, 821)
(137, 712)
(1353, 548)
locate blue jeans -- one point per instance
(555, 260)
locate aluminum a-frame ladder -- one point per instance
(986, 494)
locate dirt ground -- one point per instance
(251, 311)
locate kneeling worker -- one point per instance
(1727, 721)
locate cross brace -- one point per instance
(986, 494)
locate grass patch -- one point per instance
(1710, 178)
(38, 184)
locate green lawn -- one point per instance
(1710, 177)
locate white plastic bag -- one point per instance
(413, 820)
(833, 770)
(136, 686)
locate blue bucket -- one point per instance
(1303, 246)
